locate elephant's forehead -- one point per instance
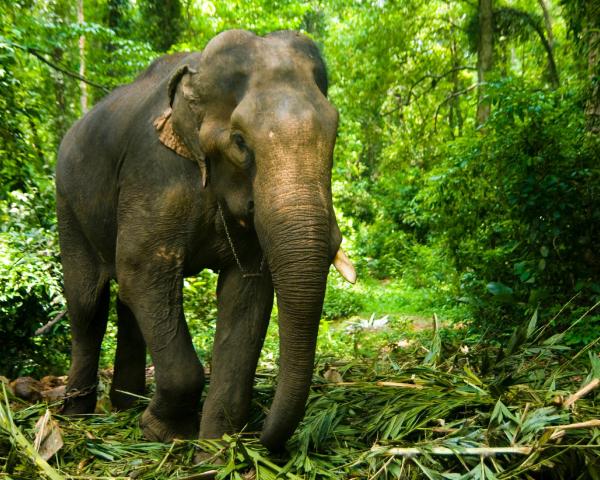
(228, 40)
(241, 52)
(276, 56)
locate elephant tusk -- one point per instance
(343, 265)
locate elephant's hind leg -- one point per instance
(87, 292)
(130, 361)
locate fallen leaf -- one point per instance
(50, 381)
(48, 437)
(333, 375)
(249, 475)
(54, 394)
(27, 388)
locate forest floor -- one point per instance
(395, 394)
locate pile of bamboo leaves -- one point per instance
(439, 410)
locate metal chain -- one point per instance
(245, 274)
(81, 392)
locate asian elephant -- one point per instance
(217, 159)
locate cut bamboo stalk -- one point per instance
(479, 451)
(560, 430)
(444, 430)
(400, 385)
(581, 393)
(201, 476)
(366, 384)
(338, 384)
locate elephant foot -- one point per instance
(158, 430)
(77, 404)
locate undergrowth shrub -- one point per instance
(200, 306)
(341, 301)
(30, 285)
(517, 208)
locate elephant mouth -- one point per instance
(341, 262)
(246, 272)
(247, 221)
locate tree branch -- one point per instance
(37, 54)
(448, 98)
(548, 22)
(527, 18)
(43, 329)
(435, 79)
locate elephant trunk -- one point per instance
(297, 245)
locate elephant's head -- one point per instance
(253, 112)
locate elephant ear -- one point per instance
(178, 126)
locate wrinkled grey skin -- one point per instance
(255, 111)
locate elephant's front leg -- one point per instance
(152, 288)
(244, 307)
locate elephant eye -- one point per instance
(239, 141)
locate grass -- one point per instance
(433, 408)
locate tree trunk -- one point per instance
(455, 118)
(592, 108)
(547, 22)
(60, 119)
(60, 10)
(549, 44)
(485, 51)
(82, 84)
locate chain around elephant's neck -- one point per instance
(245, 273)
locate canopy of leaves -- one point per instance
(488, 224)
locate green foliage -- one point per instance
(21, 153)
(200, 306)
(162, 22)
(340, 299)
(530, 216)
(30, 286)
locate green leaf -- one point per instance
(531, 326)
(499, 289)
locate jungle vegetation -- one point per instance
(467, 185)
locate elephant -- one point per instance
(218, 159)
